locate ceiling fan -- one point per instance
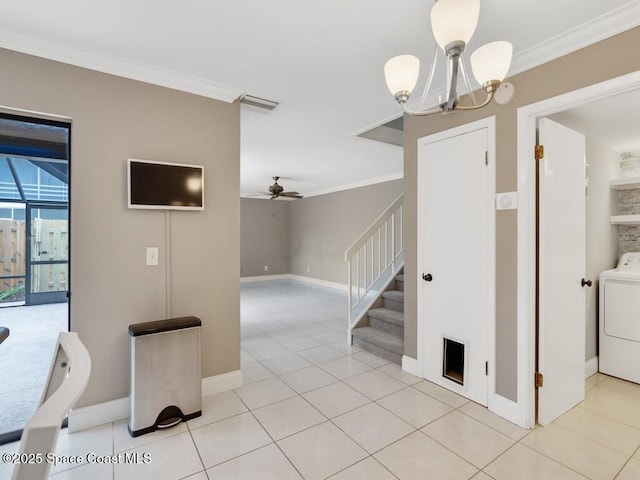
(276, 190)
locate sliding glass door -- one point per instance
(34, 260)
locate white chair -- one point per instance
(68, 377)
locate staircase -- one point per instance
(375, 263)
(381, 330)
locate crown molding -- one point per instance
(339, 188)
(588, 33)
(358, 184)
(97, 61)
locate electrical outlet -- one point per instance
(152, 256)
(308, 269)
(266, 268)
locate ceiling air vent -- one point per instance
(390, 132)
(257, 102)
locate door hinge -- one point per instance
(538, 380)
(539, 152)
(486, 157)
(486, 368)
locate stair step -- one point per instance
(389, 321)
(379, 343)
(394, 300)
(400, 282)
(400, 277)
(387, 315)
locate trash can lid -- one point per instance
(159, 326)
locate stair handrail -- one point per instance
(391, 218)
(373, 228)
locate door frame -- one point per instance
(527, 118)
(493, 402)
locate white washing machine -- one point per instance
(619, 354)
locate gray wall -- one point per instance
(264, 237)
(323, 227)
(112, 119)
(599, 62)
(602, 237)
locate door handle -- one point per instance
(588, 283)
(427, 277)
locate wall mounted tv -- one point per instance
(165, 186)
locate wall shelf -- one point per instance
(625, 219)
(625, 183)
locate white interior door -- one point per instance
(561, 261)
(454, 210)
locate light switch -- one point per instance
(152, 256)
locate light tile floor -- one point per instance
(313, 408)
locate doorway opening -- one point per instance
(528, 119)
(34, 258)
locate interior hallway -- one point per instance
(313, 408)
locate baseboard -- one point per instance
(412, 366)
(591, 367)
(221, 383)
(322, 283)
(98, 414)
(93, 415)
(264, 278)
(300, 278)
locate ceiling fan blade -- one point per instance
(274, 196)
(291, 195)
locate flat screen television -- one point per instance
(165, 186)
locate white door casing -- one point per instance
(456, 238)
(561, 257)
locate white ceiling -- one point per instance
(613, 121)
(321, 60)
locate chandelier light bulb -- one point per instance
(453, 23)
(491, 62)
(401, 73)
(454, 20)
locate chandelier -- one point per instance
(453, 22)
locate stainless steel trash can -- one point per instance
(166, 384)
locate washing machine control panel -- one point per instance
(629, 261)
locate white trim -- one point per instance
(357, 184)
(221, 383)
(580, 36)
(526, 262)
(490, 124)
(412, 366)
(122, 67)
(322, 283)
(341, 188)
(114, 410)
(98, 414)
(299, 278)
(588, 33)
(591, 367)
(265, 278)
(507, 409)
